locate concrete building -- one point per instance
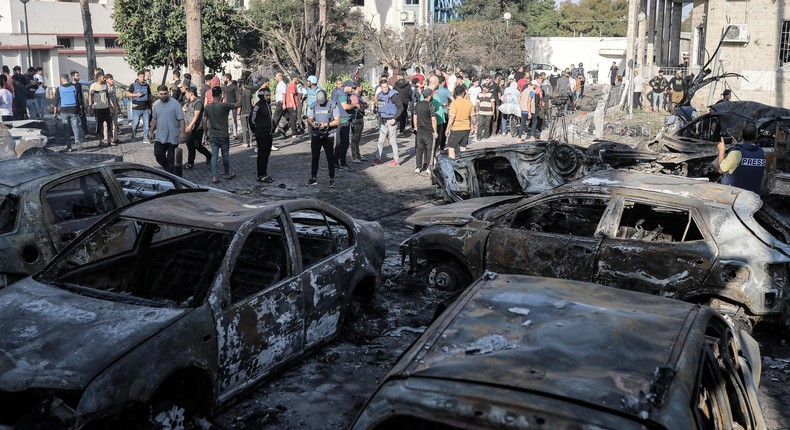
(756, 45)
(402, 13)
(57, 41)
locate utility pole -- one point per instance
(90, 45)
(194, 40)
(630, 59)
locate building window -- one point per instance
(65, 42)
(784, 44)
(111, 43)
(357, 2)
(240, 4)
(412, 2)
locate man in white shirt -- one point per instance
(41, 92)
(279, 97)
(639, 83)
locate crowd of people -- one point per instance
(444, 109)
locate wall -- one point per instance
(596, 53)
(757, 60)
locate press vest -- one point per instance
(322, 114)
(749, 174)
(387, 108)
(68, 96)
(137, 87)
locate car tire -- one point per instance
(448, 276)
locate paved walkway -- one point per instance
(366, 191)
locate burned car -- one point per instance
(534, 353)
(174, 305)
(678, 237)
(535, 167)
(46, 200)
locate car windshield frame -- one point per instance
(60, 273)
(9, 211)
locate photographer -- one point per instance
(324, 116)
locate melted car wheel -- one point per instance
(448, 277)
(564, 159)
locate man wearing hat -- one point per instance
(726, 96)
(343, 132)
(310, 92)
(424, 122)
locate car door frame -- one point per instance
(323, 320)
(229, 341)
(53, 230)
(611, 223)
(578, 246)
(110, 172)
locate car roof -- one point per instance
(217, 211)
(565, 339)
(680, 187)
(19, 171)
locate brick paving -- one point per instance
(366, 191)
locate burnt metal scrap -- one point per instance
(177, 304)
(683, 238)
(538, 353)
(690, 151)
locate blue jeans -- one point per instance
(658, 101)
(136, 114)
(220, 144)
(41, 101)
(32, 108)
(70, 120)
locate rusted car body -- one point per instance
(683, 238)
(183, 300)
(46, 200)
(690, 151)
(535, 353)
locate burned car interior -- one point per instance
(169, 264)
(576, 216)
(82, 197)
(652, 223)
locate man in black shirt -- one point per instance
(424, 122)
(678, 86)
(260, 121)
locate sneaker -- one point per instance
(346, 167)
(265, 179)
(393, 163)
(274, 148)
(77, 146)
(355, 160)
(331, 182)
(376, 162)
(339, 167)
(417, 170)
(68, 150)
(311, 182)
(230, 175)
(146, 141)
(215, 180)
(189, 165)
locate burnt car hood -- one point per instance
(457, 213)
(555, 337)
(56, 339)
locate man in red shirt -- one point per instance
(290, 103)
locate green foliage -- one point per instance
(150, 29)
(594, 17)
(368, 90)
(533, 17)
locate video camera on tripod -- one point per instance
(560, 100)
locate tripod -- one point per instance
(561, 104)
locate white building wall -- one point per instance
(596, 53)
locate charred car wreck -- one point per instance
(535, 353)
(682, 238)
(176, 304)
(690, 151)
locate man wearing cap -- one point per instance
(744, 164)
(311, 90)
(726, 96)
(424, 123)
(260, 121)
(346, 111)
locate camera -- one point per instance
(560, 100)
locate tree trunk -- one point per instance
(90, 47)
(194, 41)
(322, 23)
